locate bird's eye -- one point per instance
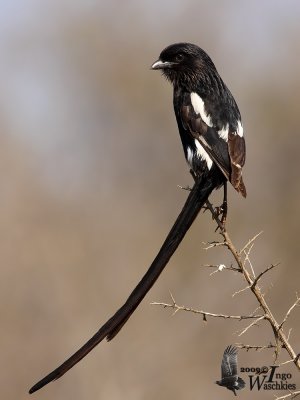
(179, 57)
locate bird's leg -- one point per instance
(223, 209)
(219, 211)
(224, 206)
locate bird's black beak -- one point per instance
(162, 64)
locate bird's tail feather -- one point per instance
(195, 201)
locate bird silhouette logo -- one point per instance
(229, 371)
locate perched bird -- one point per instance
(229, 371)
(211, 132)
(207, 115)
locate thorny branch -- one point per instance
(205, 314)
(291, 395)
(248, 347)
(243, 265)
(281, 339)
(264, 272)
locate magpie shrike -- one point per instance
(211, 132)
(207, 115)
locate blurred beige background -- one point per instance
(90, 163)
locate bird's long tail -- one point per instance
(195, 201)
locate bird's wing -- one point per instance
(229, 365)
(194, 125)
(237, 152)
(228, 154)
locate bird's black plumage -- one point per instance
(211, 133)
(207, 115)
(229, 371)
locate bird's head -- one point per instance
(183, 61)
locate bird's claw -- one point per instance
(218, 213)
(221, 212)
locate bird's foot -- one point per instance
(219, 214)
(223, 209)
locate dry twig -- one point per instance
(242, 261)
(205, 314)
(280, 338)
(248, 347)
(291, 395)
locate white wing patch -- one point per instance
(203, 154)
(223, 133)
(240, 130)
(190, 156)
(198, 105)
